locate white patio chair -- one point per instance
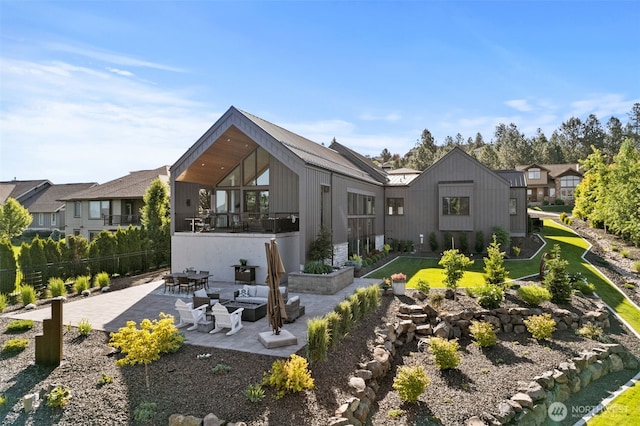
(224, 319)
(189, 315)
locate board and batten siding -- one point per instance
(489, 200)
(284, 188)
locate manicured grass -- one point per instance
(623, 410)
(555, 208)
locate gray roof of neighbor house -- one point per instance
(516, 178)
(20, 189)
(555, 170)
(311, 152)
(50, 199)
(133, 185)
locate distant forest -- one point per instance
(574, 140)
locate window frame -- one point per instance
(513, 206)
(463, 205)
(395, 206)
(533, 173)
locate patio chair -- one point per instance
(189, 315)
(204, 281)
(169, 281)
(224, 319)
(184, 282)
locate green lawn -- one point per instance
(623, 410)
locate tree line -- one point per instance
(574, 140)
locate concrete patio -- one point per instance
(111, 310)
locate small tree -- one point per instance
(454, 264)
(8, 264)
(479, 244)
(556, 279)
(321, 248)
(501, 236)
(145, 344)
(14, 219)
(156, 219)
(494, 270)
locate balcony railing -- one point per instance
(122, 219)
(236, 222)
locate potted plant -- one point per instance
(385, 286)
(398, 283)
(355, 261)
(243, 262)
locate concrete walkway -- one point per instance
(111, 310)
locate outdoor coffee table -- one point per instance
(252, 311)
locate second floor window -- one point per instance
(77, 209)
(534, 173)
(99, 209)
(395, 206)
(455, 206)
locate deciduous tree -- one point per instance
(14, 219)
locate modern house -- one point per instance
(551, 182)
(111, 205)
(42, 199)
(247, 180)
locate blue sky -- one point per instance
(92, 90)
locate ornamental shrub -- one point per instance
(533, 294)
(479, 244)
(58, 397)
(27, 295)
(433, 241)
(454, 264)
(483, 333)
(444, 352)
(3, 302)
(289, 376)
(423, 286)
(101, 280)
(410, 382)
(14, 345)
(56, 287)
(334, 322)
(318, 339)
(254, 393)
(540, 326)
(145, 344)
(346, 314)
(84, 327)
(18, 326)
(592, 331)
(490, 296)
(317, 268)
(81, 284)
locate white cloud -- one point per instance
(602, 105)
(120, 72)
(519, 105)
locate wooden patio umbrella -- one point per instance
(275, 270)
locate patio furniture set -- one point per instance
(188, 280)
(208, 312)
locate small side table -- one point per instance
(245, 273)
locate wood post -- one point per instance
(49, 344)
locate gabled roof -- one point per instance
(237, 133)
(314, 153)
(360, 160)
(21, 189)
(133, 185)
(555, 170)
(459, 151)
(49, 200)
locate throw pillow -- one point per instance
(243, 292)
(200, 293)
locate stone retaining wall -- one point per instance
(320, 283)
(551, 386)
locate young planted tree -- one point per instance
(454, 264)
(8, 264)
(494, 270)
(14, 219)
(321, 248)
(556, 279)
(156, 220)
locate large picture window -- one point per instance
(99, 209)
(361, 223)
(395, 206)
(568, 186)
(455, 206)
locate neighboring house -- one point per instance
(264, 181)
(111, 205)
(42, 199)
(551, 182)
